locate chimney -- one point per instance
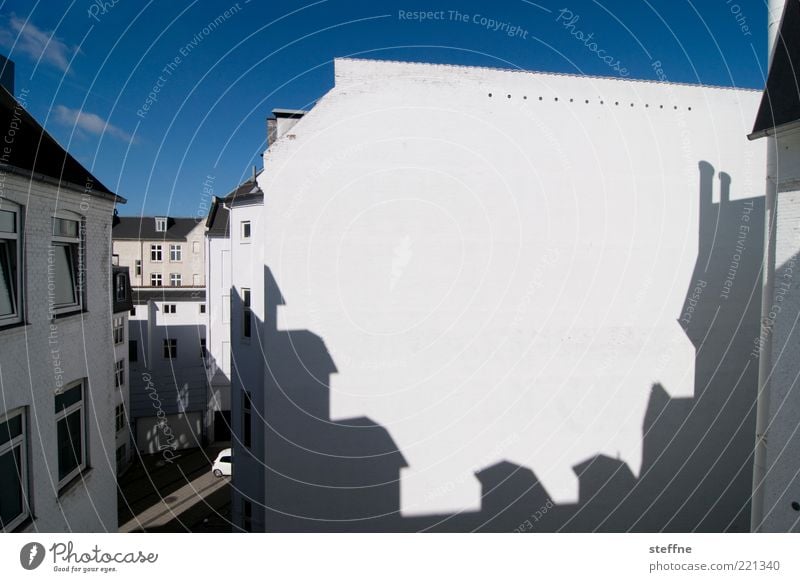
(7, 74)
(281, 121)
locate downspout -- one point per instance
(767, 294)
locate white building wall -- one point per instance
(161, 387)
(123, 436)
(42, 356)
(495, 264)
(781, 508)
(218, 290)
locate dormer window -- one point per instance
(161, 224)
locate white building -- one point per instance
(776, 479)
(57, 437)
(470, 295)
(168, 386)
(122, 304)
(218, 293)
(161, 251)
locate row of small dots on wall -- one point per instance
(588, 101)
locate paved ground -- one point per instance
(157, 496)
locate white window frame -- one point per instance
(20, 441)
(245, 224)
(137, 269)
(156, 250)
(170, 308)
(118, 329)
(161, 223)
(119, 417)
(120, 288)
(202, 308)
(156, 278)
(63, 414)
(16, 290)
(175, 253)
(119, 373)
(196, 247)
(60, 240)
(175, 279)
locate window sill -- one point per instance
(12, 327)
(23, 525)
(73, 483)
(68, 314)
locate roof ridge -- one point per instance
(550, 73)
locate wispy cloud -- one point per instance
(27, 38)
(88, 122)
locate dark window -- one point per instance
(247, 406)
(247, 515)
(247, 314)
(171, 348)
(70, 433)
(133, 351)
(13, 471)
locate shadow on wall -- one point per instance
(696, 472)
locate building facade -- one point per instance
(57, 434)
(168, 385)
(161, 251)
(122, 305)
(776, 478)
(470, 293)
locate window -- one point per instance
(155, 253)
(119, 417)
(202, 308)
(170, 348)
(247, 314)
(121, 287)
(175, 279)
(247, 515)
(13, 470)
(65, 266)
(155, 279)
(115, 260)
(203, 352)
(161, 224)
(196, 247)
(70, 433)
(247, 407)
(137, 269)
(246, 230)
(10, 260)
(133, 351)
(195, 280)
(175, 253)
(119, 330)
(170, 308)
(119, 373)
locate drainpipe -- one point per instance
(767, 294)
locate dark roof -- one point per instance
(35, 154)
(144, 228)
(218, 221)
(780, 103)
(142, 295)
(126, 304)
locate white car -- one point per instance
(222, 464)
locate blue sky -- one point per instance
(89, 66)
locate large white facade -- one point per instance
(479, 292)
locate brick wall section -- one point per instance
(28, 368)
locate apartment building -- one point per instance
(169, 395)
(122, 304)
(161, 251)
(469, 293)
(57, 362)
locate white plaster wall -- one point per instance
(218, 290)
(498, 278)
(32, 371)
(782, 486)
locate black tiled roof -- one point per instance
(144, 228)
(218, 221)
(34, 152)
(780, 103)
